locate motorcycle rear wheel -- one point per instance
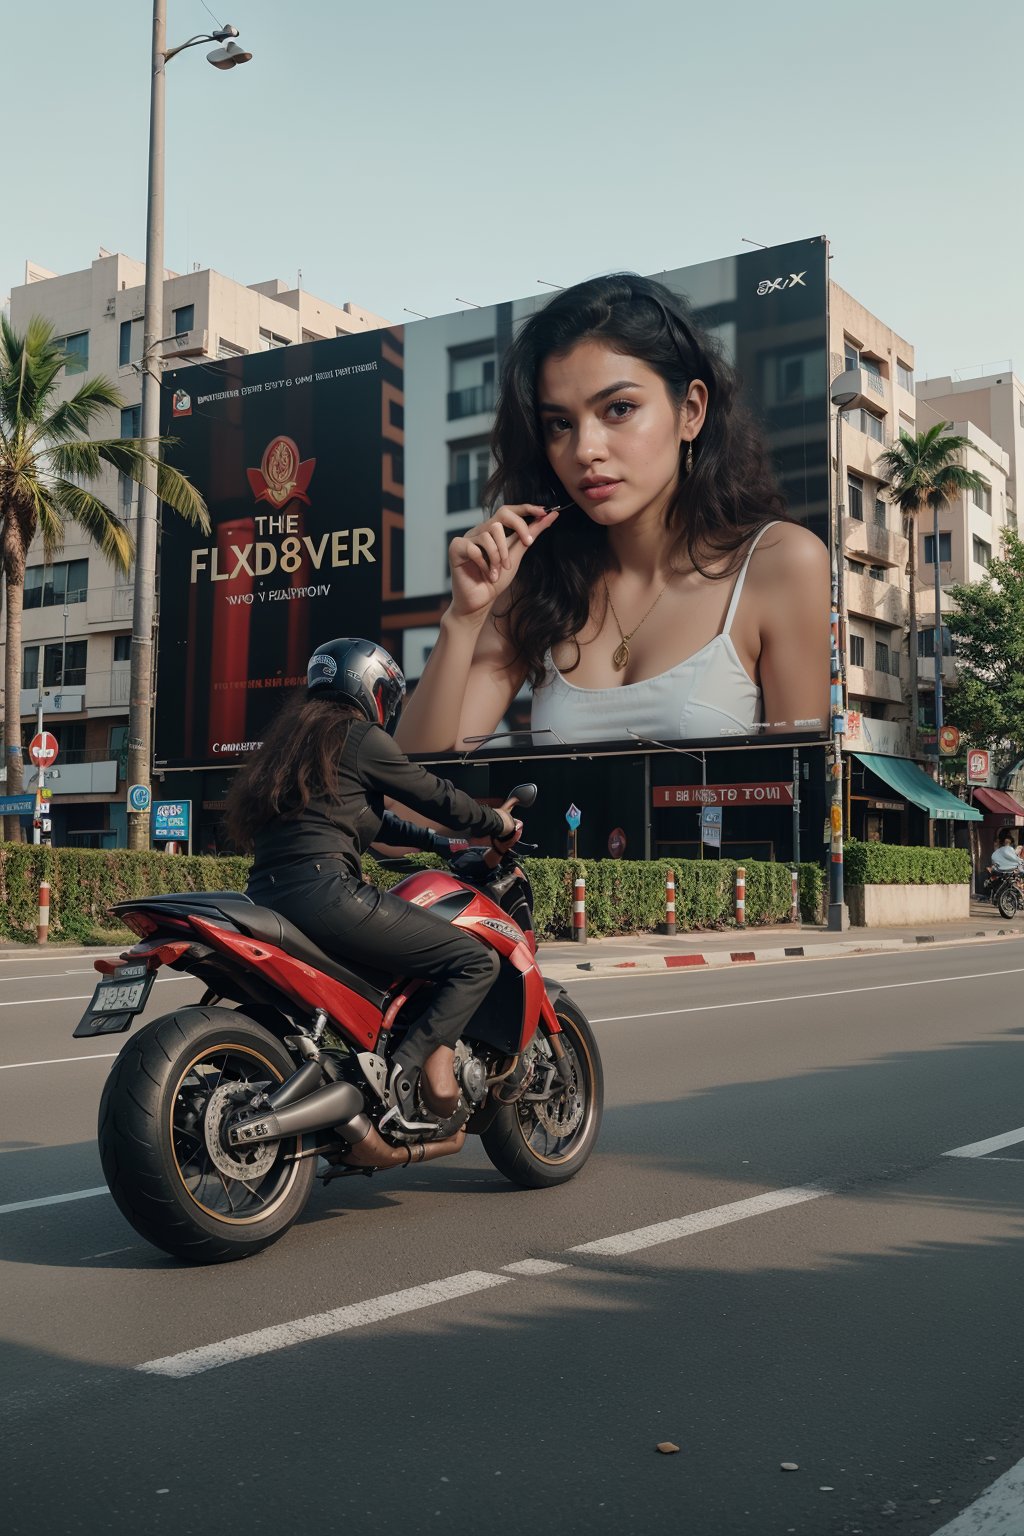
(170, 1087)
(526, 1150)
(1008, 900)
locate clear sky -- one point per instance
(409, 153)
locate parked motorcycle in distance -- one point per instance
(215, 1117)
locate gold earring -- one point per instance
(689, 458)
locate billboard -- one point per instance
(338, 472)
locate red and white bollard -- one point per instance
(741, 897)
(668, 927)
(43, 930)
(794, 908)
(579, 911)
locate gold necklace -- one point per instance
(620, 660)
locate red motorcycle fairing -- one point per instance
(469, 909)
(353, 1014)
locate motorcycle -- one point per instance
(1005, 890)
(215, 1117)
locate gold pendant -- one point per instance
(621, 658)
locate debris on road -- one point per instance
(667, 1447)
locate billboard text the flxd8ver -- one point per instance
(337, 473)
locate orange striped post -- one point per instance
(794, 908)
(741, 896)
(43, 929)
(668, 927)
(579, 911)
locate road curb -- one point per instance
(713, 959)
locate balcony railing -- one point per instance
(470, 402)
(465, 495)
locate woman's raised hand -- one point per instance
(485, 560)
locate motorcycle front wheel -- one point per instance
(538, 1146)
(1008, 900)
(164, 1158)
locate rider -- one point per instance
(311, 801)
(1006, 859)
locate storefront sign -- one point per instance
(978, 766)
(684, 795)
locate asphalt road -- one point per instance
(823, 1285)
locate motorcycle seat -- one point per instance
(266, 924)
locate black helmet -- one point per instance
(361, 673)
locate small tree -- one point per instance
(987, 704)
(47, 464)
(924, 471)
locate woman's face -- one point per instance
(611, 430)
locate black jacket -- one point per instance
(371, 767)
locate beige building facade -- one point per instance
(76, 641)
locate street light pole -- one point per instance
(140, 707)
(938, 633)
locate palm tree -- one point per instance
(47, 464)
(925, 471)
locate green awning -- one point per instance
(910, 781)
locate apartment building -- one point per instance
(78, 611)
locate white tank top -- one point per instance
(708, 694)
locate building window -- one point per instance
(471, 382)
(855, 495)
(76, 351)
(906, 425)
(881, 513)
(53, 586)
(131, 421)
(981, 552)
(905, 376)
(129, 346)
(855, 567)
(851, 353)
(64, 665)
(945, 548)
(270, 340)
(926, 642)
(878, 573)
(882, 654)
(183, 319)
(30, 667)
(868, 423)
(871, 365)
(983, 498)
(856, 650)
(122, 647)
(469, 467)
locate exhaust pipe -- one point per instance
(334, 1104)
(368, 1149)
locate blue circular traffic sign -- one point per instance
(139, 797)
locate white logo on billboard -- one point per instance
(775, 285)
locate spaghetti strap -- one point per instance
(741, 577)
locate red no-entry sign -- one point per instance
(43, 749)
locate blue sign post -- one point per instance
(172, 821)
(573, 816)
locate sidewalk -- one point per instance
(703, 950)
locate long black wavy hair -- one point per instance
(296, 763)
(728, 495)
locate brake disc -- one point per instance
(245, 1164)
(562, 1114)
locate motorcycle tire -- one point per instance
(164, 1164)
(518, 1141)
(1008, 900)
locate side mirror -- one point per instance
(524, 794)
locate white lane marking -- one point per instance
(45, 978)
(532, 1267)
(991, 1144)
(81, 997)
(55, 1061)
(321, 1324)
(701, 1221)
(28, 1205)
(800, 997)
(209, 1357)
(996, 1513)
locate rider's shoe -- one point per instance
(439, 1087)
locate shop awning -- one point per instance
(1000, 804)
(914, 784)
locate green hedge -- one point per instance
(622, 896)
(880, 864)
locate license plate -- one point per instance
(116, 1001)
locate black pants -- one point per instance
(355, 922)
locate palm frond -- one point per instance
(92, 400)
(30, 366)
(129, 455)
(103, 526)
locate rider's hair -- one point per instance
(729, 494)
(297, 762)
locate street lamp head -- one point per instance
(228, 57)
(223, 33)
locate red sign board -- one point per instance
(978, 763)
(687, 795)
(42, 749)
(949, 741)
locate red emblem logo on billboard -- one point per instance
(282, 475)
(181, 403)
